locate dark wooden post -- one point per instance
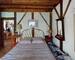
(14, 21)
(33, 28)
(50, 23)
(1, 33)
(61, 17)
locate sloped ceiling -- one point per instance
(27, 5)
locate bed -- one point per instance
(27, 50)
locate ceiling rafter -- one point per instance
(28, 4)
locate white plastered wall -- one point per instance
(69, 24)
(41, 23)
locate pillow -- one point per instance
(37, 41)
(67, 57)
(60, 57)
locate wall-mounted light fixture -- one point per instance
(59, 35)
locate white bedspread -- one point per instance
(26, 50)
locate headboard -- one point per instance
(27, 33)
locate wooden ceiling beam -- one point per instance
(67, 7)
(25, 10)
(22, 18)
(44, 19)
(29, 1)
(24, 6)
(21, 5)
(57, 12)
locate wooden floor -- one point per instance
(8, 45)
(30, 50)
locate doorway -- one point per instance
(8, 19)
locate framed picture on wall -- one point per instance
(32, 23)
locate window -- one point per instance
(32, 23)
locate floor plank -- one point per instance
(8, 45)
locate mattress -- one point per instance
(27, 50)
